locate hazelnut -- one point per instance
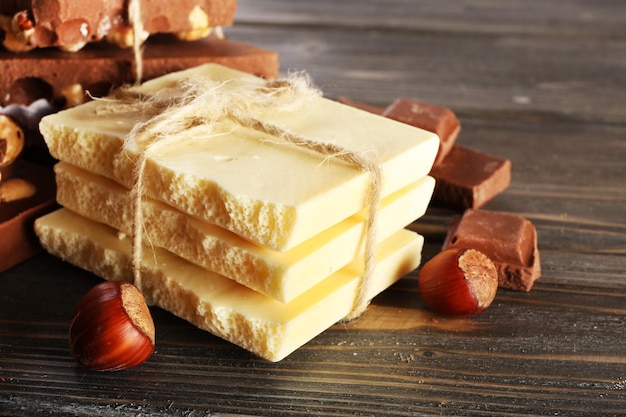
(124, 37)
(73, 35)
(199, 23)
(22, 26)
(458, 282)
(16, 39)
(16, 189)
(74, 95)
(11, 140)
(111, 328)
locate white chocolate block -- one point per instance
(265, 190)
(219, 305)
(281, 275)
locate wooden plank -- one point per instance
(512, 359)
(529, 77)
(578, 18)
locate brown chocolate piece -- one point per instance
(17, 238)
(70, 24)
(360, 105)
(510, 241)
(430, 117)
(100, 66)
(467, 178)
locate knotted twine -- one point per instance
(204, 103)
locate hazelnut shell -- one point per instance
(111, 328)
(458, 282)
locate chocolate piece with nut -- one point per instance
(508, 239)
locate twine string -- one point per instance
(372, 203)
(134, 17)
(202, 103)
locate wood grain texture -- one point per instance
(497, 74)
(577, 18)
(541, 83)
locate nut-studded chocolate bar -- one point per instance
(70, 24)
(60, 77)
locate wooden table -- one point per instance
(541, 83)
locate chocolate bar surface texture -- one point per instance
(68, 23)
(510, 241)
(469, 179)
(99, 67)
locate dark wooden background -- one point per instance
(542, 83)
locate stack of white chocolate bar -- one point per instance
(252, 238)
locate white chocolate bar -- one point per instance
(281, 275)
(257, 323)
(251, 183)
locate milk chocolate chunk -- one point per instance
(99, 67)
(70, 24)
(361, 105)
(18, 212)
(467, 178)
(509, 240)
(427, 116)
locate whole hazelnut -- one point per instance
(11, 140)
(111, 328)
(15, 189)
(199, 26)
(458, 282)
